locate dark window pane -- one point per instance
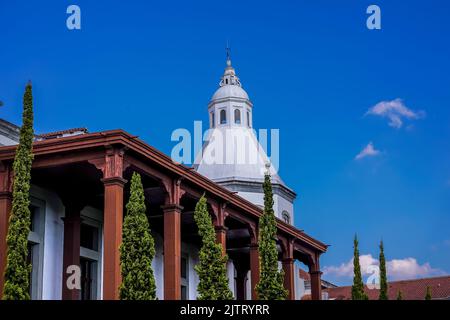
(87, 281)
(223, 117)
(237, 116)
(89, 237)
(184, 293)
(184, 268)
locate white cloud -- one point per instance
(397, 269)
(368, 151)
(346, 269)
(396, 111)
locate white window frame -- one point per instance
(95, 256)
(36, 239)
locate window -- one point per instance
(89, 237)
(223, 117)
(213, 124)
(237, 116)
(248, 119)
(88, 279)
(90, 259)
(184, 278)
(286, 217)
(36, 247)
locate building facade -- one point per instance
(79, 189)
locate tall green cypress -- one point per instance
(270, 286)
(428, 294)
(137, 249)
(211, 269)
(358, 285)
(17, 269)
(383, 276)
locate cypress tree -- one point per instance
(383, 276)
(17, 269)
(211, 269)
(399, 295)
(137, 249)
(270, 286)
(428, 294)
(358, 285)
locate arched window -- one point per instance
(237, 116)
(223, 117)
(286, 217)
(248, 119)
(213, 124)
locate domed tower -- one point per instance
(232, 155)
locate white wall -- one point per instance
(231, 277)
(279, 203)
(53, 243)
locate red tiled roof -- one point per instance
(411, 289)
(304, 275)
(60, 133)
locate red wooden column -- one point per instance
(288, 268)
(254, 261)
(289, 284)
(316, 284)
(172, 251)
(221, 237)
(219, 225)
(112, 222)
(5, 210)
(113, 218)
(71, 255)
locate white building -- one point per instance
(232, 156)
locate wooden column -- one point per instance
(221, 237)
(316, 285)
(5, 211)
(71, 254)
(315, 275)
(219, 225)
(172, 251)
(289, 283)
(112, 234)
(254, 269)
(112, 167)
(288, 267)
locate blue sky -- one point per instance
(311, 68)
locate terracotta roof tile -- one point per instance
(56, 134)
(411, 289)
(304, 275)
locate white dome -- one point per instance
(230, 91)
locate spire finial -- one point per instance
(228, 49)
